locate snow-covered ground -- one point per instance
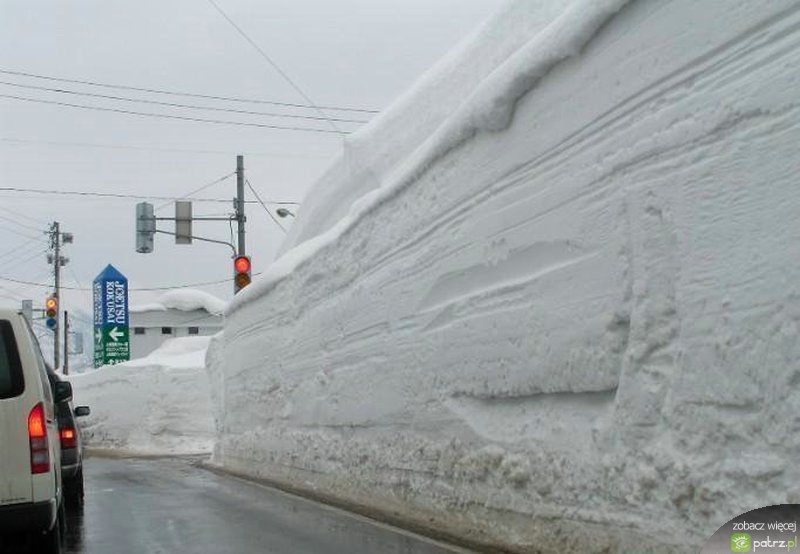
(550, 300)
(154, 405)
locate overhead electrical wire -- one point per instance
(19, 247)
(84, 292)
(200, 189)
(185, 94)
(34, 284)
(24, 216)
(31, 257)
(23, 225)
(179, 105)
(113, 195)
(176, 117)
(263, 205)
(12, 291)
(17, 233)
(190, 285)
(158, 149)
(136, 289)
(274, 65)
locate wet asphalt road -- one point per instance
(166, 506)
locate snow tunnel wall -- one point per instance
(573, 332)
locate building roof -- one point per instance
(185, 300)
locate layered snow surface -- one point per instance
(156, 405)
(549, 301)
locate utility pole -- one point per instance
(66, 342)
(240, 219)
(55, 238)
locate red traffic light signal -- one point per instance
(241, 264)
(241, 272)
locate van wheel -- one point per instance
(73, 490)
(50, 542)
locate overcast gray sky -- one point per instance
(351, 53)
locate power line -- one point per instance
(17, 233)
(275, 66)
(34, 284)
(23, 225)
(19, 247)
(272, 217)
(23, 216)
(186, 94)
(178, 105)
(110, 195)
(29, 258)
(204, 187)
(168, 116)
(11, 291)
(80, 285)
(159, 149)
(185, 285)
(139, 289)
(125, 196)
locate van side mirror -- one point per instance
(82, 411)
(63, 391)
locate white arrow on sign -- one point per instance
(115, 334)
(98, 336)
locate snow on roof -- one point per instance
(500, 63)
(185, 300)
(175, 353)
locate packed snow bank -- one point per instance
(563, 316)
(185, 300)
(154, 405)
(555, 31)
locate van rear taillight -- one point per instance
(69, 438)
(37, 435)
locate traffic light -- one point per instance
(145, 227)
(51, 311)
(241, 273)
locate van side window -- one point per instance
(37, 351)
(12, 382)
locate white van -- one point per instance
(30, 477)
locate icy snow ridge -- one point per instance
(572, 332)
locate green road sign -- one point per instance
(111, 345)
(111, 337)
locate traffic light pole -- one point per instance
(66, 342)
(240, 219)
(56, 238)
(146, 225)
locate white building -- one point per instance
(178, 313)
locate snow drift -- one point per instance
(550, 300)
(160, 404)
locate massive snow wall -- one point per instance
(550, 300)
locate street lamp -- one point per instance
(283, 212)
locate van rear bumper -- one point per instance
(27, 517)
